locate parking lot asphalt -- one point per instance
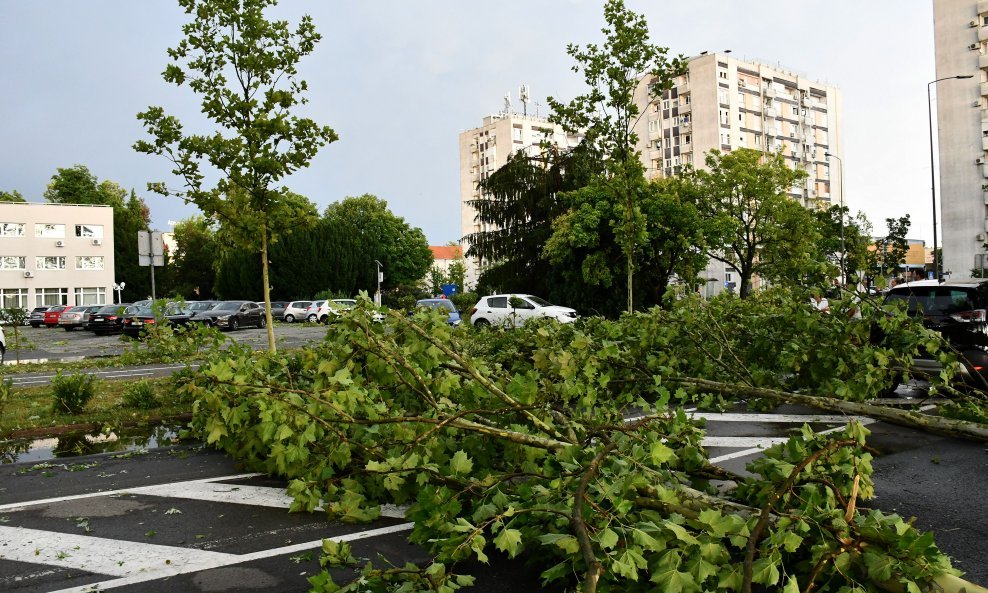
(188, 519)
(42, 343)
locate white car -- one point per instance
(295, 310)
(496, 309)
(3, 346)
(332, 308)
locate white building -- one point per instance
(961, 43)
(55, 254)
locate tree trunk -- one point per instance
(267, 288)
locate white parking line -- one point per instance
(778, 418)
(160, 571)
(16, 506)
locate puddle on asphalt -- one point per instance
(86, 443)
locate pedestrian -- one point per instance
(820, 302)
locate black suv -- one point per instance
(957, 310)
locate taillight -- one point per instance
(111, 318)
(969, 316)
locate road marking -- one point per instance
(102, 555)
(220, 560)
(16, 506)
(758, 443)
(262, 496)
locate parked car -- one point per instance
(53, 314)
(295, 310)
(233, 315)
(496, 309)
(107, 319)
(37, 317)
(277, 308)
(333, 308)
(136, 323)
(312, 311)
(3, 346)
(446, 304)
(199, 307)
(76, 317)
(956, 309)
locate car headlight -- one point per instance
(223, 318)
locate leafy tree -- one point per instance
(762, 230)
(12, 196)
(244, 67)
(606, 115)
(890, 250)
(195, 259)
(375, 233)
(457, 273)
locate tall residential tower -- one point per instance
(961, 42)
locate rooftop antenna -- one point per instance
(524, 96)
(507, 103)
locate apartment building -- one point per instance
(724, 103)
(55, 254)
(484, 150)
(720, 103)
(960, 30)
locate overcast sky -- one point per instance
(399, 81)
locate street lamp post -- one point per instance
(119, 288)
(843, 249)
(933, 183)
(380, 276)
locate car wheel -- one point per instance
(3, 353)
(311, 318)
(234, 324)
(481, 322)
(324, 319)
(289, 318)
(262, 322)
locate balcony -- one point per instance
(982, 33)
(984, 143)
(982, 6)
(984, 89)
(982, 61)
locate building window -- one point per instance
(94, 231)
(95, 295)
(13, 298)
(665, 104)
(11, 229)
(50, 262)
(13, 262)
(47, 297)
(653, 125)
(50, 231)
(516, 134)
(795, 110)
(722, 74)
(89, 262)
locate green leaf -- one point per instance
(660, 453)
(460, 464)
(509, 541)
(565, 542)
(607, 538)
(765, 571)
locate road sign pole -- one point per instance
(151, 252)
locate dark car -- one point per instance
(444, 304)
(53, 314)
(955, 309)
(277, 308)
(136, 322)
(107, 320)
(233, 315)
(37, 318)
(199, 307)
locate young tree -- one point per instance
(606, 115)
(11, 196)
(245, 69)
(890, 250)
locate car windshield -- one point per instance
(200, 306)
(109, 310)
(228, 306)
(538, 301)
(439, 304)
(940, 301)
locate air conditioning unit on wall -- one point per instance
(59, 243)
(29, 274)
(97, 242)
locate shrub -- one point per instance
(71, 393)
(464, 300)
(140, 395)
